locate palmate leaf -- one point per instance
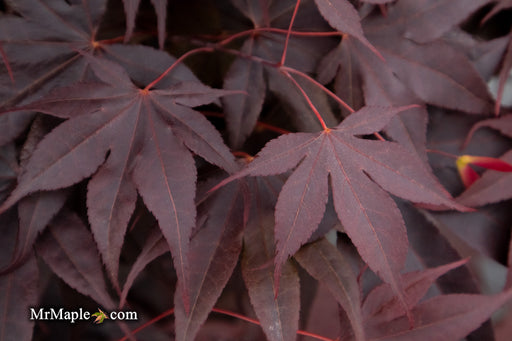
(303, 53)
(444, 318)
(417, 23)
(56, 34)
(362, 71)
(361, 171)
(380, 304)
(457, 86)
(50, 32)
(147, 134)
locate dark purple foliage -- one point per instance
(260, 159)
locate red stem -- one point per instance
(243, 154)
(440, 152)
(272, 128)
(111, 41)
(219, 311)
(379, 136)
(236, 36)
(283, 56)
(311, 105)
(260, 124)
(247, 56)
(383, 10)
(179, 60)
(253, 321)
(7, 65)
(299, 33)
(229, 39)
(314, 81)
(150, 322)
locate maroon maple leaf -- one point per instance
(360, 172)
(55, 32)
(148, 134)
(411, 46)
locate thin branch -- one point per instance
(259, 124)
(379, 136)
(7, 65)
(315, 82)
(243, 154)
(150, 322)
(311, 105)
(111, 41)
(219, 311)
(235, 36)
(253, 321)
(283, 57)
(179, 60)
(440, 152)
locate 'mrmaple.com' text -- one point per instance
(52, 314)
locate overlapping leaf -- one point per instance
(419, 64)
(444, 318)
(360, 171)
(154, 247)
(486, 55)
(214, 252)
(356, 68)
(69, 250)
(146, 155)
(18, 290)
(325, 316)
(126, 142)
(416, 16)
(241, 112)
(504, 75)
(326, 264)
(381, 304)
(37, 210)
(278, 313)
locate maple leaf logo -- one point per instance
(100, 316)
